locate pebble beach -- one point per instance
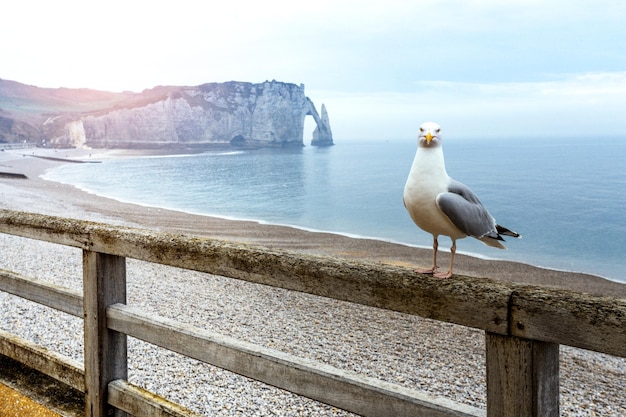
(438, 358)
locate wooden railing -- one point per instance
(524, 325)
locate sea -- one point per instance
(566, 196)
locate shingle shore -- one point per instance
(439, 358)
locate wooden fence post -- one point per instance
(522, 377)
(104, 283)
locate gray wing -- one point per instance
(466, 211)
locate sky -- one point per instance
(504, 69)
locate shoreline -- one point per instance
(341, 235)
(55, 198)
(443, 250)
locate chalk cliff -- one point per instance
(269, 114)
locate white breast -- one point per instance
(427, 179)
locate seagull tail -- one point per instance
(506, 232)
(493, 241)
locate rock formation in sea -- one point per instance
(322, 135)
(268, 114)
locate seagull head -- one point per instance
(429, 134)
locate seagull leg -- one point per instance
(449, 273)
(434, 267)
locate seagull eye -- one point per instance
(438, 130)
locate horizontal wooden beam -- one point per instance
(138, 402)
(570, 318)
(43, 389)
(42, 292)
(349, 391)
(41, 227)
(47, 362)
(472, 302)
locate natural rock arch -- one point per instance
(322, 135)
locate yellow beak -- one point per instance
(429, 137)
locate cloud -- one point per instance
(331, 44)
(577, 104)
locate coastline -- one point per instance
(434, 357)
(54, 198)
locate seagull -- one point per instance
(442, 206)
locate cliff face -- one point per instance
(269, 114)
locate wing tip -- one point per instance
(507, 232)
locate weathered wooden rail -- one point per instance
(524, 325)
